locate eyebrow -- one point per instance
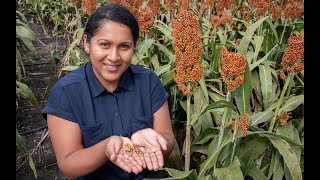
(99, 40)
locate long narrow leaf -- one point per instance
(289, 157)
(266, 84)
(255, 64)
(219, 104)
(292, 103)
(232, 172)
(243, 93)
(247, 36)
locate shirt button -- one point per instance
(116, 114)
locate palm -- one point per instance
(151, 144)
(116, 152)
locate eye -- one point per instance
(124, 46)
(105, 45)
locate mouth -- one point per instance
(112, 68)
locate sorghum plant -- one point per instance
(187, 56)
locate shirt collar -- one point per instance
(96, 87)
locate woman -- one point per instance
(109, 119)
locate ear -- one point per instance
(86, 44)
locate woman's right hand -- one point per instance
(117, 153)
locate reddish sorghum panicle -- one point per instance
(183, 4)
(187, 48)
(90, 6)
(205, 5)
(261, 6)
(276, 11)
(293, 9)
(283, 76)
(241, 125)
(224, 18)
(233, 69)
(284, 118)
(169, 4)
(224, 4)
(145, 19)
(293, 58)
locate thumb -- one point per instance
(163, 142)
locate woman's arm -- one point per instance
(75, 161)
(72, 158)
(162, 124)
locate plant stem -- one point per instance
(280, 101)
(224, 116)
(235, 133)
(188, 129)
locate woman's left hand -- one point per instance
(151, 145)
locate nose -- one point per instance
(114, 55)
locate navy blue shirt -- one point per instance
(79, 97)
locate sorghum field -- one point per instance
(234, 71)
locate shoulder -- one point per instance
(74, 78)
(143, 73)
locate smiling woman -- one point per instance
(107, 105)
(110, 51)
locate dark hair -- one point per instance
(112, 12)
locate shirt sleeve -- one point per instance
(59, 104)
(158, 93)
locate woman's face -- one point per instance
(110, 51)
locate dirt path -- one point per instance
(31, 125)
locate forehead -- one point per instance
(114, 29)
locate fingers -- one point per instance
(159, 157)
(121, 162)
(148, 161)
(154, 160)
(135, 167)
(163, 142)
(139, 159)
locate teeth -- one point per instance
(114, 66)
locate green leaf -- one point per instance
(164, 28)
(27, 93)
(243, 93)
(247, 36)
(291, 104)
(24, 32)
(232, 172)
(258, 40)
(255, 64)
(218, 104)
(167, 77)
(278, 170)
(289, 157)
(256, 173)
(252, 147)
(166, 51)
(213, 154)
(266, 84)
(70, 68)
(261, 117)
(272, 135)
(32, 165)
(208, 177)
(272, 26)
(182, 175)
(162, 69)
(204, 136)
(144, 45)
(28, 44)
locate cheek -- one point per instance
(128, 57)
(97, 55)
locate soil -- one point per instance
(31, 125)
